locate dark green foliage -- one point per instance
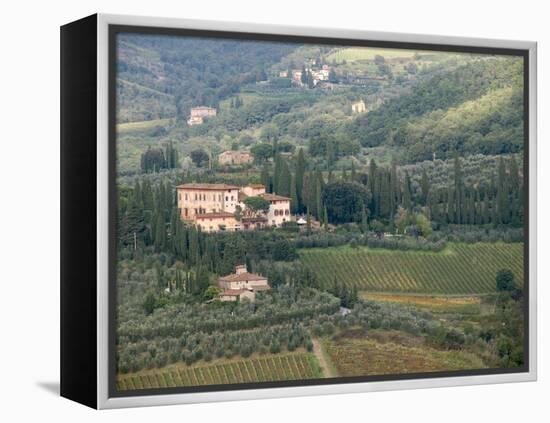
(262, 152)
(199, 157)
(257, 204)
(155, 159)
(505, 280)
(345, 201)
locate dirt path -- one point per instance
(318, 351)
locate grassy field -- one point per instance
(358, 53)
(392, 352)
(434, 303)
(459, 269)
(130, 127)
(288, 366)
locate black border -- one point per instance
(114, 30)
(78, 176)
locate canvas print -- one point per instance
(291, 211)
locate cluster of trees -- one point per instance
(385, 199)
(191, 347)
(155, 159)
(278, 321)
(499, 202)
(193, 71)
(148, 220)
(454, 111)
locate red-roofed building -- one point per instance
(279, 209)
(215, 207)
(242, 279)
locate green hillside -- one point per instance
(451, 96)
(190, 71)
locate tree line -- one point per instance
(387, 198)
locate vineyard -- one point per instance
(291, 366)
(459, 269)
(374, 356)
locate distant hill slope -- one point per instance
(164, 76)
(476, 108)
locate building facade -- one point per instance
(359, 107)
(279, 209)
(197, 114)
(222, 207)
(197, 199)
(235, 158)
(242, 279)
(221, 221)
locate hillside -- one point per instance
(457, 110)
(189, 71)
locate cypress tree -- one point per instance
(502, 194)
(318, 196)
(160, 233)
(407, 203)
(364, 220)
(425, 187)
(450, 206)
(458, 189)
(305, 192)
(300, 172)
(277, 173)
(325, 218)
(284, 179)
(294, 205)
(385, 202)
(264, 177)
(174, 218)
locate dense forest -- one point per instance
(176, 73)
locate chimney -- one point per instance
(241, 268)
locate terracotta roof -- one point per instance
(216, 187)
(241, 277)
(213, 215)
(274, 197)
(256, 186)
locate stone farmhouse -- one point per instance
(359, 107)
(199, 113)
(222, 207)
(235, 158)
(241, 285)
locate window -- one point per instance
(287, 212)
(276, 212)
(195, 196)
(232, 198)
(186, 197)
(185, 211)
(226, 198)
